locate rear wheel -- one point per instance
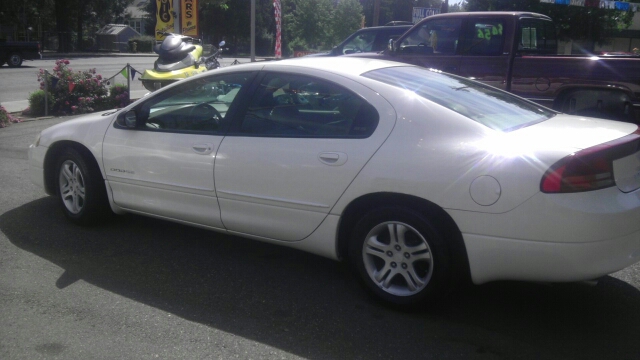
(14, 60)
(401, 256)
(80, 188)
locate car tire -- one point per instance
(80, 188)
(401, 256)
(14, 60)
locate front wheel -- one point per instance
(80, 188)
(401, 256)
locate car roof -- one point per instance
(350, 67)
(384, 27)
(516, 14)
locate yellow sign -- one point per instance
(164, 18)
(189, 17)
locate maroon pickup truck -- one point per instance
(517, 52)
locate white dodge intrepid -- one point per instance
(416, 177)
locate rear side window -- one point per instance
(290, 105)
(484, 104)
(537, 36)
(484, 37)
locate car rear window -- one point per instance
(484, 104)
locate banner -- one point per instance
(603, 4)
(164, 18)
(278, 15)
(420, 13)
(189, 17)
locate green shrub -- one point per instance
(36, 103)
(144, 43)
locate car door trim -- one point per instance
(268, 198)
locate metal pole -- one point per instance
(128, 84)
(46, 93)
(253, 30)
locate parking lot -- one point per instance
(141, 288)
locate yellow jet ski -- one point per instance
(178, 58)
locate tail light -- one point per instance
(589, 169)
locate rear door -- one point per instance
(485, 51)
(301, 141)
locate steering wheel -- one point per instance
(204, 112)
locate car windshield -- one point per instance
(484, 104)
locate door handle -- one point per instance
(202, 149)
(332, 158)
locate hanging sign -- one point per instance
(164, 18)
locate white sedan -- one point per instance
(416, 177)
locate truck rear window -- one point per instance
(484, 104)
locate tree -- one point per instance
(347, 18)
(309, 23)
(25, 20)
(395, 10)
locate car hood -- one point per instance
(87, 129)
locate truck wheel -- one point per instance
(15, 60)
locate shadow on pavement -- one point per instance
(314, 307)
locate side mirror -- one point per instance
(130, 119)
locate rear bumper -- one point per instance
(554, 237)
(493, 258)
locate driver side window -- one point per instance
(198, 106)
(436, 37)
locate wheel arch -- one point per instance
(360, 206)
(52, 155)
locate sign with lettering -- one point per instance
(164, 18)
(189, 17)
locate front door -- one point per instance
(164, 166)
(434, 44)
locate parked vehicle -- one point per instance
(417, 177)
(211, 62)
(15, 52)
(179, 57)
(371, 39)
(516, 51)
